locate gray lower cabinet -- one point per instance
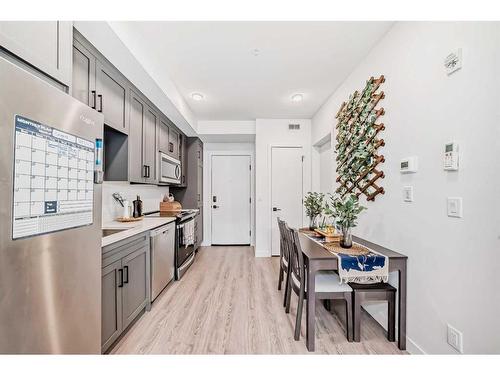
(142, 143)
(46, 45)
(125, 286)
(111, 305)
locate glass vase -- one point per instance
(313, 222)
(346, 240)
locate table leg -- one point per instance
(402, 306)
(311, 306)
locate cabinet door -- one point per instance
(163, 136)
(83, 86)
(111, 305)
(136, 166)
(173, 142)
(183, 154)
(135, 284)
(44, 44)
(149, 145)
(112, 97)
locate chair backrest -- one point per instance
(296, 256)
(284, 243)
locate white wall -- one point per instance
(226, 131)
(268, 133)
(167, 98)
(151, 197)
(453, 263)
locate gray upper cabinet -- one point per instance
(173, 143)
(84, 64)
(111, 98)
(136, 168)
(143, 123)
(149, 145)
(111, 306)
(46, 45)
(163, 140)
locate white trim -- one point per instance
(270, 187)
(207, 193)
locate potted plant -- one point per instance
(346, 211)
(313, 204)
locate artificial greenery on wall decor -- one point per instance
(358, 142)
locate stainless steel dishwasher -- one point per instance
(162, 258)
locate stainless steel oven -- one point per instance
(170, 169)
(184, 246)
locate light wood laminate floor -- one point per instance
(228, 303)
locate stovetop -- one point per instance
(183, 215)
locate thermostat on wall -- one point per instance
(408, 165)
(451, 156)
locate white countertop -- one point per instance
(132, 228)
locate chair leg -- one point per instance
(298, 319)
(391, 314)
(287, 289)
(348, 314)
(280, 278)
(357, 317)
(288, 294)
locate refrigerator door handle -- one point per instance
(100, 102)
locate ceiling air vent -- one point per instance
(293, 126)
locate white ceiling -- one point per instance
(217, 59)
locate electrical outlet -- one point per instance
(455, 339)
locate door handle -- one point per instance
(126, 274)
(94, 100)
(144, 171)
(100, 102)
(276, 209)
(177, 171)
(120, 278)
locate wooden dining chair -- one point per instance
(374, 292)
(284, 258)
(328, 286)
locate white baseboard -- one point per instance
(381, 317)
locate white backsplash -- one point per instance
(151, 197)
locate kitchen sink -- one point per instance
(109, 232)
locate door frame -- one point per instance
(207, 192)
(270, 187)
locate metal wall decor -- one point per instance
(358, 142)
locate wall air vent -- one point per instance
(293, 126)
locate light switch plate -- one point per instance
(408, 194)
(454, 206)
(455, 338)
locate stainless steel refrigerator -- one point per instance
(50, 218)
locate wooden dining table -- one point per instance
(317, 258)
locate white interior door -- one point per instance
(286, 190)
(230, 200)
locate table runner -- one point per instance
(368, 268)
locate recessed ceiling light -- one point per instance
(297, 97)
(197, 96)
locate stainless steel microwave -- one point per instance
(170, 169)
